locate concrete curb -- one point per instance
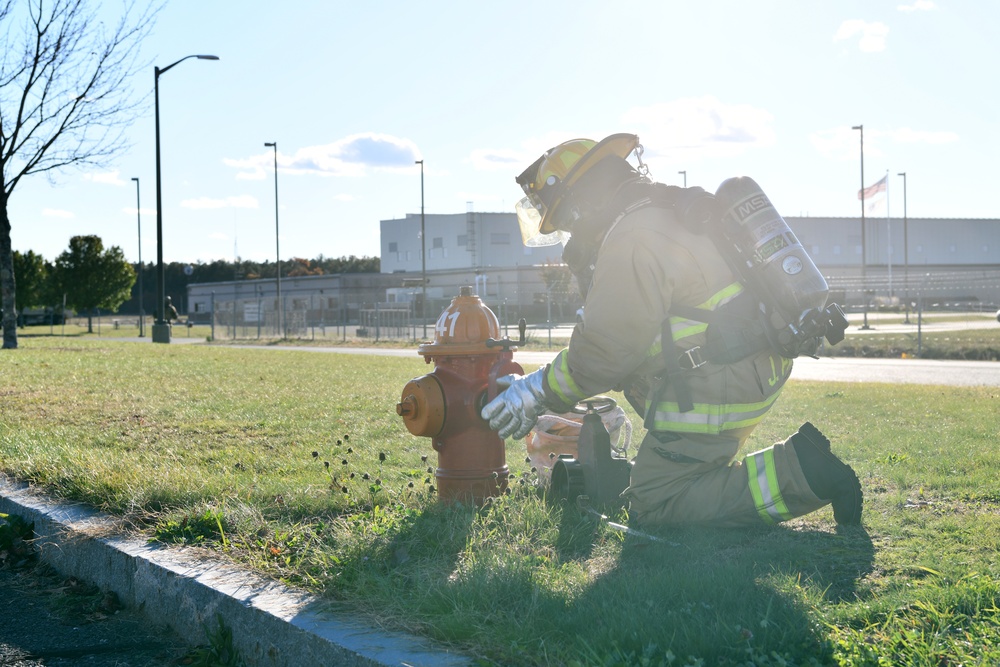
(272, 624)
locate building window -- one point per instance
(393, 247)
(836, 250)
(463, 240)
(857, 250)
(437, 242)
(951, 248)
(500, 238)
(815, 250)
(986, 248)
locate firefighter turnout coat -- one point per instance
(685, 470)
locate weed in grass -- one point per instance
(219, 652)
(200, 528)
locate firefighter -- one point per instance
(637, 262)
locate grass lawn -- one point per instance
(294, 463)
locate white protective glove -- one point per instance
(514, 411)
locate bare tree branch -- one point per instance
(65, 98)
(75, 101)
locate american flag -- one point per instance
(873, 190)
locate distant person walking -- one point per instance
(171, 313)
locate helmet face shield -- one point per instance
(529, 217)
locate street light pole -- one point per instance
(864, 260)
(423, 252)
(161, 327)
(906, 254)
(277, 243)
(138, 216)
(685, 174)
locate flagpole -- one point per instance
(864, 281)
(906, 255)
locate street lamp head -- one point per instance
(135, 179)
(420, 162)
(902, 173)
(271, 144)
(858, 127)
(159, 71)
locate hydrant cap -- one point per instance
(464, 327)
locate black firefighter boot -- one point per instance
(828, 477)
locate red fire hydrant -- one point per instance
(445, 404)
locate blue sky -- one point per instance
(354, 92)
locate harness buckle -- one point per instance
(691, 359)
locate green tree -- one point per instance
(92, 277)
(32, 279)
(65, 99)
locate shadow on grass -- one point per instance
(722, 595)
(575, 590)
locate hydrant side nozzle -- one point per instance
(422, 406)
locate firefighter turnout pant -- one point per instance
(694, 479)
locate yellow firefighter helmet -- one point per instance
(549, 179)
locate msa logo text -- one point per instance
(751, 206)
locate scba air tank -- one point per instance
(768, 255)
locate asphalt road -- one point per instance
(830, 369)
(51, 621)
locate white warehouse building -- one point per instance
(469, 240)
(940, 262)
(948, 258)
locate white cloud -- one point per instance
(343, 197)
(905, 135)
(840, 143)
(683, 129)
(700, 127)
(871, 36)
(351, 156)
(58, 213)
(218, 236)
(491, 159)
(499, 160)
(917, 6)
(240, 201)
(843, 143)
(108, 178)
(143, 211)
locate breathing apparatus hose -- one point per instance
(583, 503)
